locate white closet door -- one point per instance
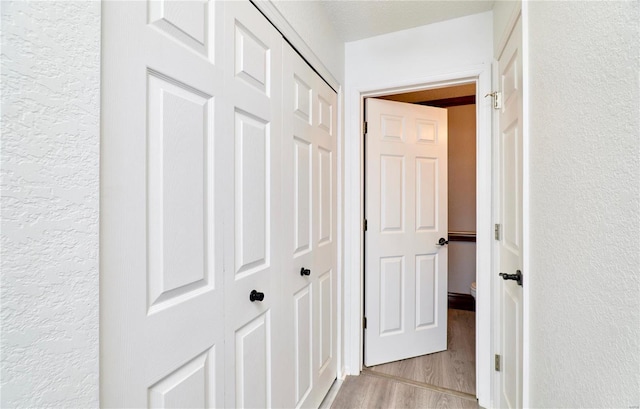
(309, 228)
(161, 323)
(253, 225)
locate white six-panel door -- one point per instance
(309, 223)
(213, 188)
(510, 216)
(406, 211)
(161, 249)
(253, 261)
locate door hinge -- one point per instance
(365, 127)
(364, 322)
(496, 231)
(497, 362)
(365, 224)
(496, 96)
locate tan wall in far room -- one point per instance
(462, 195)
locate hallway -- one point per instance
(441, 380)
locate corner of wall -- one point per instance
(50, 204)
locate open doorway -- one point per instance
(453, 369)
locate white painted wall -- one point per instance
(50, 189)
(311, 22)
(432, 53)
(584, 279)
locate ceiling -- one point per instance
(358, 19)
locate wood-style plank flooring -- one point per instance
(440, 380)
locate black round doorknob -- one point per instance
(442, 242)
(256, 296)
(305, 272)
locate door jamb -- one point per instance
(481, 76)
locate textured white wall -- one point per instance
(585, 204)
(50, 185)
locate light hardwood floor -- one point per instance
(441, 380)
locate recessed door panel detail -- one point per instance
(325, 115)
(325, 319)
(426, 131)
(512, 171)
(511, 344)
(391, 295)
(510, 79)
(253, 176)
(303, 343)
(179, 204)
(392, 197)
(325, 159)
(190, 386)
(392, 128)
(252, 59)
(253, 363)
(302, 195)
(186, 21)
(302, 99)
(426, 194)
(426, 286)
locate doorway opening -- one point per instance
(453, 369)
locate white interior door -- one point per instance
(406, 212)
(308, 230)
(252, 227)
(161, 301)
(510, 217)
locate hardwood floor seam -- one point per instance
(447, 391)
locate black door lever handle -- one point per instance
(442, 242)
(305, 272)
(517, 277)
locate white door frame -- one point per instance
(354, 216)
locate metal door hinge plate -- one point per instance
(365, 224)
(364, 322)
(496, 96)
(497, 362)
(496, 231)
(365, 127)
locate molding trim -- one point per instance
(271, 13)
(459, 301)
(450, 102)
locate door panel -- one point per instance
(190, 386)
(426, 285)
(406, 212)
(510, 216)
(303, 342)
(252, 240)
(161, 249)
(253, 363)
(392, 193)
(308, 208)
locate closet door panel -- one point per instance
(309, 219)
(252, 223)
(161, 288)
